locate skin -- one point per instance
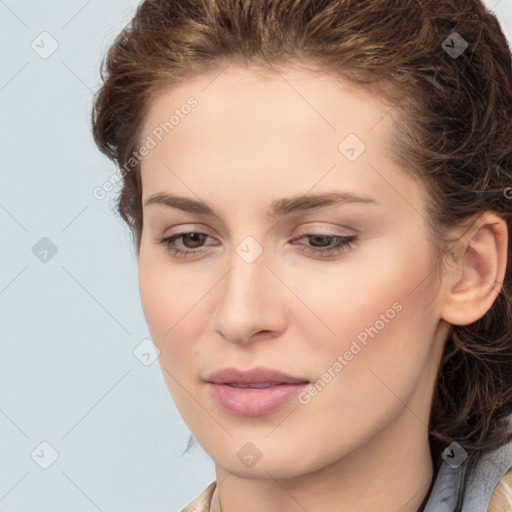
(255, 137)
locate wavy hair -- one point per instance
(453, 132)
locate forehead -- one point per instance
(261, 129)
(237, 98)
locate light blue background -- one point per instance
(69, 326)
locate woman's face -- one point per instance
(361, 324)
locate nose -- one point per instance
(249, 301)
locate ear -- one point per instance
(475, 275)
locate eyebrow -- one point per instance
(278, 208)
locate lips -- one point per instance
(252, 386)
(253, 392)
(256, 377)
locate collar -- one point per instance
(479, 487)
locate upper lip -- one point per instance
(260, 375)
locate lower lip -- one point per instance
(253, 401)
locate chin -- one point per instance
(278, 466)
(264, 460)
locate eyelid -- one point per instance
(186, 228)
(323, 229)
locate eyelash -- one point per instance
(344, 243)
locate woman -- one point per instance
(319, 193)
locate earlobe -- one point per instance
(474, 279)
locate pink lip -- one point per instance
(245, 401)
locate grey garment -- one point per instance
(479, 487)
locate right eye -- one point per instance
(195, 237)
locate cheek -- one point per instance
(172, 302)
(378, 310)
(352, 296)
(163, 307)
(167, 294)
(155, 295)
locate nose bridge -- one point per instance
(247, 300)
(243, 284)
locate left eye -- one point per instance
(341, 243)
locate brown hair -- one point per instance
(453, 131)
